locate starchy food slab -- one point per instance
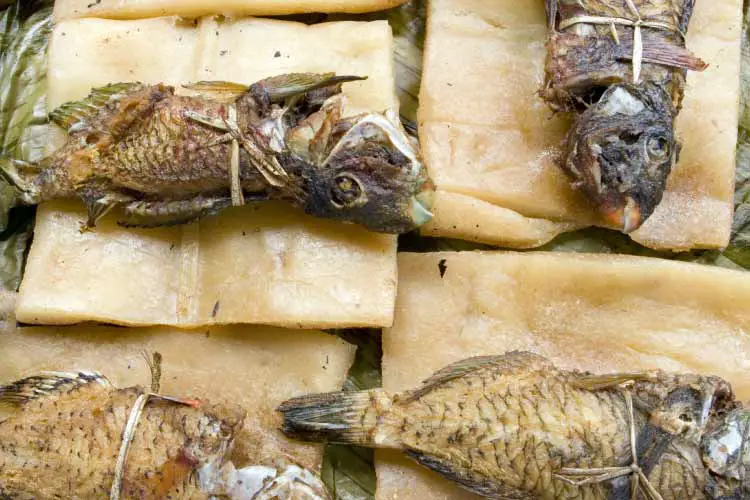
(601, 313)
(265, 264)
(490, 141)
(136, 9)
(254, 367)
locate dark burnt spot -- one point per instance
(442, 267)
(215, 310)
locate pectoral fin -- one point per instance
(99, 206)
(218, 91)
(49, 384)
(609, 381)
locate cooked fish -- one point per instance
(77, 436)
(169, 159)
(621, 66)
(516, 427)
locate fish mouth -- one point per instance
(420, 207)
(627, 218)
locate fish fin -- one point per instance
(337, 417)
(506, 362)
(145, 214)
(473, 482)
(193, 403)
(49, 384)
(96, 210)
(589, 382)
(218, 90)
(99, 206)
(74, 114)
(657, 50)
(20, 174)
(278, 88)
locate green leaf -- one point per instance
(348, 471)
(25, 28)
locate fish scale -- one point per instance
(67, 444)
(167, 159)
(168, 147)
(513, 426)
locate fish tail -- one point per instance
(338, 417)
(20, 175)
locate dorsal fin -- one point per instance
(73, 115)
(48, 384)
(505, 363)
(218, 91)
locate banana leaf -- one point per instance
(24, 33)
(348, 471)
(344, 469)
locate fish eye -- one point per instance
(346, 191)
(657, 148)
(225, 431)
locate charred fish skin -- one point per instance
(595, 69)
(64, 442)
(515, 426)
(171, 159)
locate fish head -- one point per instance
(372, 175)
(726, 450)
(210, 431)
(621, 151)
(689, 406)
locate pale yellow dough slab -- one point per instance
(254, 367)
(265, 264)
(487, 136)
(592, 312)
(136, 9)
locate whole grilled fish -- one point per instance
(626, 84)
(516, 427)
(170, 159)
(67, 437)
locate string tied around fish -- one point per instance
(267, 165)
(639, 483)
(131, 424)
(637, 24)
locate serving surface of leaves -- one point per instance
(25, 27)
(349, 472)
